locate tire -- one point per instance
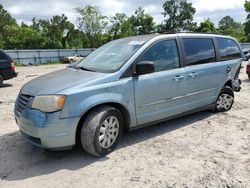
(249, 76)
(225, 100)
(101, 131)
(1, 80)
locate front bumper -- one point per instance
(47, 130)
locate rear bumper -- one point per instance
(47, 130)
(10, 75)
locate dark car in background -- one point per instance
(7, 67)
(246, 53)
(247, 57)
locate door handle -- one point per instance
(229, 69)
(192, 75)
(178, 78)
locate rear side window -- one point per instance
(199, 51)
(228, 49)
(3, 56)
(164, 54)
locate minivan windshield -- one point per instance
(111, 56)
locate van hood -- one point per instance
(57, 81)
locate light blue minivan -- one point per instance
(127, 84)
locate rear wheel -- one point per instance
(249, 76)
(1, 80)
(101, 131)
(225, 100)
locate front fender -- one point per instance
(97, 100)
(120, 92)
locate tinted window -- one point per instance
(228, 49)
(3, 56)
(164, 55)
(199, 51)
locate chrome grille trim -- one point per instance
(22, 102)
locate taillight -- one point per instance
(13, 68)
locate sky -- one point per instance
(25, 10)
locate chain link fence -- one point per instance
(32, 57)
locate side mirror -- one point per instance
(144, 67)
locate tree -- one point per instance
(247, 23)
(22, 37)
(53, 30)
(120, 26)
(179, 15)
(5, 20)
(92, 23)
(142, 22)
(76, 39)
(206, 26)
(228, 26)
(226, 23)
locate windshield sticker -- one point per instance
(136, 42)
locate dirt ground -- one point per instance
(199, 150)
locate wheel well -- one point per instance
(121, 108)
(229, 84)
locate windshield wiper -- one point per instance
(83, 68)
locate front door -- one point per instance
(157, 95)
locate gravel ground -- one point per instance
(199, 150)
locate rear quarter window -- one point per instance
(198, 51)
(228, 48)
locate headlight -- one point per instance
(50, 103)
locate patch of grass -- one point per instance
(48, 63)
(51, 63)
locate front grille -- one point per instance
(22, 102)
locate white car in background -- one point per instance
(75, 58)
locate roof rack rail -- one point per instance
(177, 32)
(214, 33)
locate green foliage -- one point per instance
(247, 23)
(226, 23)
(179, 15)
(120, 26)
(228, 26)
(138, 24)
(93, 29)
(23, 37)
(92, 23)
(142, 22)
(206, 27)
(5, 19)
(53, 30)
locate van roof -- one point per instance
(183, 34)
(188, 34)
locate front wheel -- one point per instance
(101, 130)
(225, 100)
